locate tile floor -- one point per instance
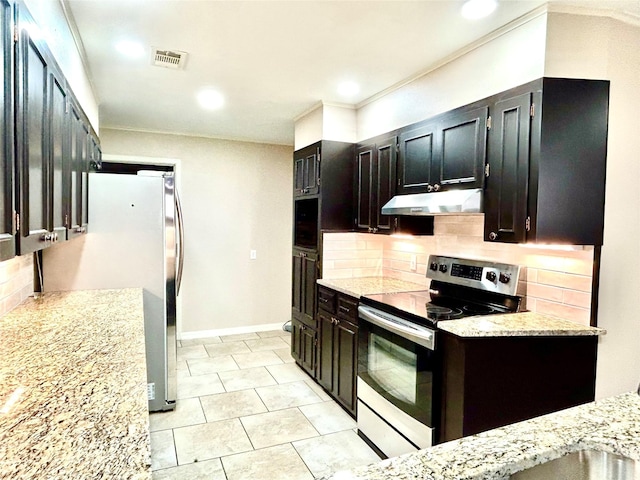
(245, 411)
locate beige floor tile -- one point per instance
(318, 390)
(187, 412)
(273, 333)
(163, 452)
(256, 359)
(249, 378)
(287, 395)
(182, 369)
(276, 428)
(328, 417)
(232, 405)
(210, 440)
(204, 366)
(280, 462)
(198, 385)
(261, 344)
(289, 372)
(200, 341)
(194, 351)
(239, 337)
(207, 470)
(229, 348)
(287, 340)
(284, 354)
(331, 453)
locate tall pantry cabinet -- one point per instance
(322, 202)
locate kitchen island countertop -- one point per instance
(356, 287)
(611, 425)
(73, 387)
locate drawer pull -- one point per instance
(344, 309)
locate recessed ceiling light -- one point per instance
(348, 89)
(475, 9)
(210, 99)
(130, 49)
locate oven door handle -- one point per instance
(422, 336)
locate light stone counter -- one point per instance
(73, 387)
(611, 425)
(523, 324)
(356, 287)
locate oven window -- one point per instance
(398, 369)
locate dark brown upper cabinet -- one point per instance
(307, 171)
(547, 163)
(375, 173)
(462, 146)
(418, 163)
(444, 152)
(7, 212)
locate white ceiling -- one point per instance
(272, 60)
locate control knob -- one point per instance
(505, 277)
(434, 266)
(443, 267)
(491, 276)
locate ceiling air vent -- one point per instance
(169, 58)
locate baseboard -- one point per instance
(229, 331)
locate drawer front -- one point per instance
(327, 299)
(348, 309)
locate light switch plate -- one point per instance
(253, 254)
(414, 262)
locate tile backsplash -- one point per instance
(16, 282)
(556, 281)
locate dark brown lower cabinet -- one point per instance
(494, 381)
(303, 346)
(337, 346)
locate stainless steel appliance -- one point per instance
(398, 358)
(134, 240)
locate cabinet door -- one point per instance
(364, 186)
(296, 340)
(506, 187)
(417, 165)
(310, 275)
(60, 158)
(296, 285)
(385, 175)
(462, 145)
(308, 354)
(78, 174)
(344, 376)
(7, 241)
(32, 141)
(324, 372)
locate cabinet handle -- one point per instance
(344, 309)
(302, 254)
(45, 237)
(334, 321)
(324, 300)
(436, 187)
(429, 188)
(493, 236)
(375, 229)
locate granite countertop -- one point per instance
(522, 324)
(356, 287)
(611, 425)
(73, 387)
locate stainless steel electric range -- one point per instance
(398, 357)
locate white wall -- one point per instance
(514, 57)
(326, 122)
(590, 47)
(50, 17)
(236, 197)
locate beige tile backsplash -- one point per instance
(16, 282)
(556, 282)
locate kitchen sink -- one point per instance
(583, 465)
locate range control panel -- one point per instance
(491, 276)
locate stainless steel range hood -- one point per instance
(437, 203)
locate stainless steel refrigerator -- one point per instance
(134, 240)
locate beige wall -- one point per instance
(236, 197)
(16, 282)
(582, 46)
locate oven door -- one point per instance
(396, 366)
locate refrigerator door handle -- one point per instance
(180, 243)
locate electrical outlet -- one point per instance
(253, 254)
(151, 391)
(413, 265)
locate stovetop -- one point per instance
(459, 288)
